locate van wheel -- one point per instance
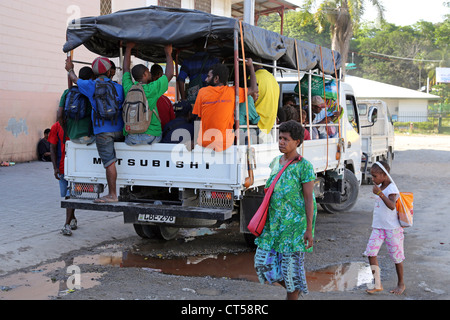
(349, 195)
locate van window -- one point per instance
(352, 112)
(362, 108)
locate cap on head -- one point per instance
(101, 65)
(317, 101)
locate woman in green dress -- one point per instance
(289, 230)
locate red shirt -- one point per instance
(165, 110)
(56, 137)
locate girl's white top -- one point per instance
(383, 217)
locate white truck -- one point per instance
(164, 187)
(377, 135)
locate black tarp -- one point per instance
(153, 27)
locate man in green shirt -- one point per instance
(153, 90)
(78, 130)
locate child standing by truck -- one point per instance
(386, 227)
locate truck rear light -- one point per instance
(216, 199)
(85, 190)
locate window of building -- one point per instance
(170, 3)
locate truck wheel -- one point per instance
(150, 231)
(348, 196)
(168, 233)
(250, 240)
(139, 230)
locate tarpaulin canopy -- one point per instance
(153, 27)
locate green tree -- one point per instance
(298, 25)
(397, 55)
(343, 17)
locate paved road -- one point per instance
(31, 219)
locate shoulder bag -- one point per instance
(258, 221)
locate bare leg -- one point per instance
(111, 177)
(376, 274)
(290, 295)
(400, 284)
(70, 214)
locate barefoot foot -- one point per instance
(374, 290)
(399, 289)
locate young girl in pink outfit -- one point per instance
(386, 227)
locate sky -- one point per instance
(404, 12)
(407, 12)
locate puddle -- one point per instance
(39, 285)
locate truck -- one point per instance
(164, 187)
(377, 135)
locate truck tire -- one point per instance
(139, 230)
(250, 240)
(348, 196)
(150, 231)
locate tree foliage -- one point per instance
(399, 55)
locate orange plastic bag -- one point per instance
(405, 209)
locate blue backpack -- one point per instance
(107, 101)
(76, 105)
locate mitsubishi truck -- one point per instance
(164, 187)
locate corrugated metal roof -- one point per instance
(261, 7)
(365, 88)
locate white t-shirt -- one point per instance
(383, 217)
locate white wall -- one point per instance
(414, 110)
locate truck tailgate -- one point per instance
(163, 165)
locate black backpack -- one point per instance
(107, 101)
(76, 104)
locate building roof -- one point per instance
(365, 88)
(261, 7)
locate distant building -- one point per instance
(404, 104)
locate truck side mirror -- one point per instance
(372, 116)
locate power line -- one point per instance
(401, 58)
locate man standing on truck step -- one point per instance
(106, 98)
(215, 106)
(153, 90)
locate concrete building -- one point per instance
(404, 104)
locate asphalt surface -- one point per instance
(31, 218)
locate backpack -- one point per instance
(76, 104)
(135, 111)
(107, 101)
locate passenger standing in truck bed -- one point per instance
(106, 131)
(215, 106)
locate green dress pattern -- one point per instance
(286, 218)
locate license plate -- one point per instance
(147, 217)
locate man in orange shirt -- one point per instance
(215, 106)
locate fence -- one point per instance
(433, 122)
